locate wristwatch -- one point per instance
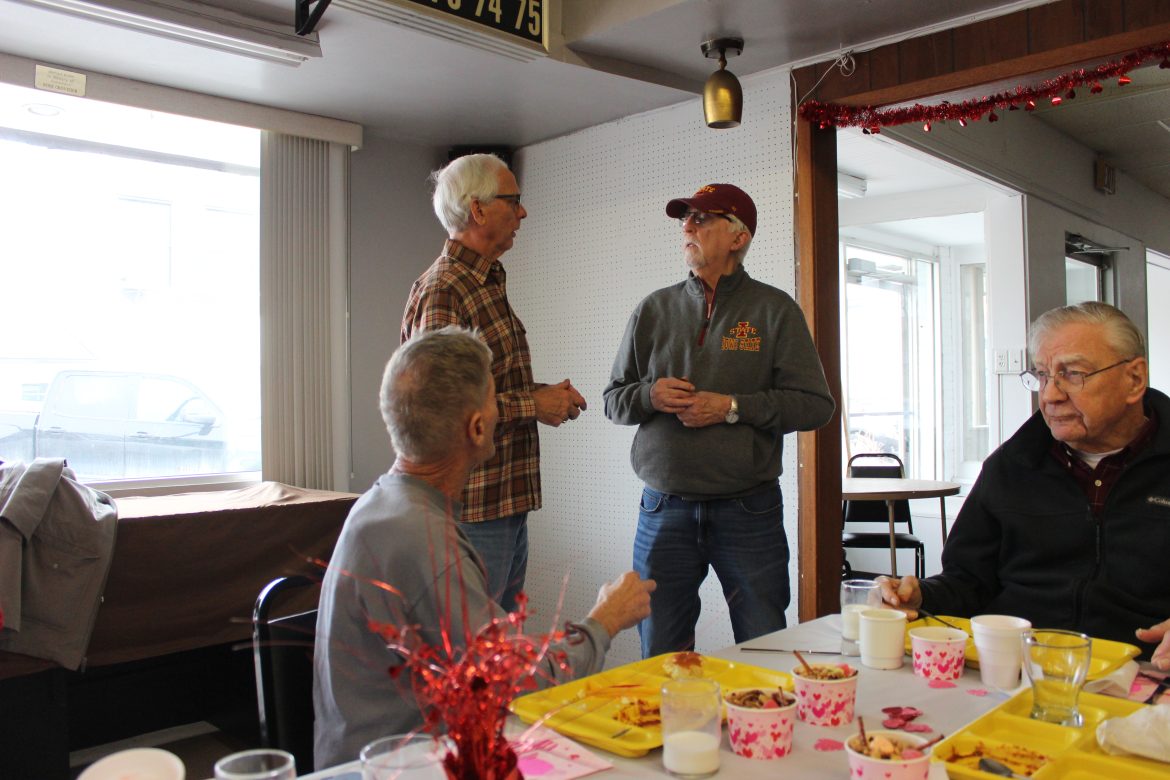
(732, 413)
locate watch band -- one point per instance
(732, 413)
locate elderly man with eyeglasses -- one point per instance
(714, 371)
(1068, 524)
(478, 201)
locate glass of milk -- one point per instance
(856, 597)
(691, 727)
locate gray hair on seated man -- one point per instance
(464, 179)
(1120, 332)
(428, 385)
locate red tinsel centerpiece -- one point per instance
(1055, 90)
(465, 691)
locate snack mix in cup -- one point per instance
(827, 697)
(760, 722)
(890, 755)
(938, 652)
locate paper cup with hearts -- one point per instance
(889, 755)
(760, 722)
(938, 652)
(825, 696)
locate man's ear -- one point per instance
(741, 238)
(475, 211)
(477, 429)
(1137, 375)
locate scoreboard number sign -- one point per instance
(522, 19)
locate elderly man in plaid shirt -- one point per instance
(478, 201)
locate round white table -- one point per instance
(891, 489)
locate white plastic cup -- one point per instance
(997, 640)
(136, 764)
(883, 638)
(692, 718)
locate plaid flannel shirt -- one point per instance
(463, 288)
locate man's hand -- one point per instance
(904, 594)
(671, 395)
(623, 602)
(707, 409)
(1158, 633)
(559, 403)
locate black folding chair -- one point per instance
(879, 512)
(282, 648)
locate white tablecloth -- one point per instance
(944, 709)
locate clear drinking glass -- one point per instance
(692, 717)
(264, 764)
(856, 597)
(1056, 663)
(403, 757)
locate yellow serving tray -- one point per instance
(1108, 656)
(586, 709)
(1073, 752)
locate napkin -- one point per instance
(1119, 683)
(1143, 733)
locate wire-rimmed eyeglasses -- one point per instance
(1067, 381)
(700, 217)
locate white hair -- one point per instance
(1119, 332)
(464, 179)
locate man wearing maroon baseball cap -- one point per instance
(714, 370)
(725, 199)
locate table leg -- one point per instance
(893, 545)
(942, 513)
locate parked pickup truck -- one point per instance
(113, 425)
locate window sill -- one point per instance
(164, 486)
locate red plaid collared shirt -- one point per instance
(463, 288)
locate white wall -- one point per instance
(596, 242)
(394, 236)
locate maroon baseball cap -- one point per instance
(718, 199)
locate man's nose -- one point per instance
(1051, 392)
(521, 212)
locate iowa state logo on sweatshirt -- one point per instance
(742, 338)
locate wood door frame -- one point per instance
(953, 61)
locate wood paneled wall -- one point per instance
(1051, 37)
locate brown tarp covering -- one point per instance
(187, 568)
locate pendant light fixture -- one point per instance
(722, 94)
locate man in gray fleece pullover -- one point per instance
(714, 370)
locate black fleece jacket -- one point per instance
(1027, 544)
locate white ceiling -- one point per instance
(608, 59)
(411, 86)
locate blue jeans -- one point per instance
(741, 538)
(503, 546)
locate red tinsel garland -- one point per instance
(1056, 90)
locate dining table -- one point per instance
(817, 750)
(893, 489)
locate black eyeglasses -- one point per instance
(1066, 381)
(514, 200)
(700, 217)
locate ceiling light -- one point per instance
(196, 23)
(722, 94)
(850, 186)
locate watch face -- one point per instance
(732, 416)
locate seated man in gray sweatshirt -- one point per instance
(402, 559)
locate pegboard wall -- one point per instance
(595, 242)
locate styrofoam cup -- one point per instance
(997, 640)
